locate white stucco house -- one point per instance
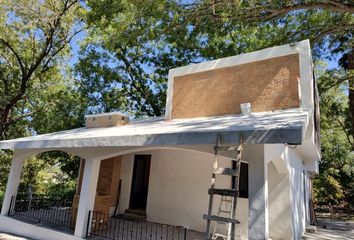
(175, 153)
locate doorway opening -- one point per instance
(140, 182)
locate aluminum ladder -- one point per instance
(232, 193)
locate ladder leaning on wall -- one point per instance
(228, 196)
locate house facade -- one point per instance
(161, 167)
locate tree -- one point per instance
(37, 94)
(35, 37)
(126, 58)
(336, 178)
(136, 42)
(138, 39)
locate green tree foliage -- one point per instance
(126, 58)
(5, 162)
(50, 172)
(336, 178)
(35, 93)
(35, 37)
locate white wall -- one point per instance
(180, 179)
(279, 204)
(178, 188)
(126, 174)
(288, 192)
(297, 177)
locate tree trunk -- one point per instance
(351, 89)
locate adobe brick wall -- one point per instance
(107, 185)
(268, 85)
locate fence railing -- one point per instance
(332, 210)
(105, 226)
(54, 212)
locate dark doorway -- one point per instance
(243, 181)
(140, 182)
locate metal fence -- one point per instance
(54, 212)
(101, 225)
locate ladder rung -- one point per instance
(219, 235)
(226, 171)
(226, 148)
(223, 192)
(220, 219)
(224, 211)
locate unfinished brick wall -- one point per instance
(107, 185)
(268, 85)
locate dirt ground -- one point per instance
(329, 229)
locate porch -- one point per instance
(171, 201)
(60, 216)
(182, 153)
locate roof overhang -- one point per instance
(286, 126)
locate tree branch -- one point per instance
(17, 56)
(337, 82)
(266, 12)
(334, 29)
(49, 38)
(345, 131)
(64, 42)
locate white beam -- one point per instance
(87, 195)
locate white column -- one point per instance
(258, 228)
(87, 195)
(279, 204)
(12, 182)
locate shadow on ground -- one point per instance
(329, 229)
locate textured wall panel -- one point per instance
(268, 85)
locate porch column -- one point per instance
(258, 194)
(12, 182)
(87, 195)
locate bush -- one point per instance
(52, 197)
(1, 197)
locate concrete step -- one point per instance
(311, 229)
(133, 215)
(141, 212)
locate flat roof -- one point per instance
(286, 126)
